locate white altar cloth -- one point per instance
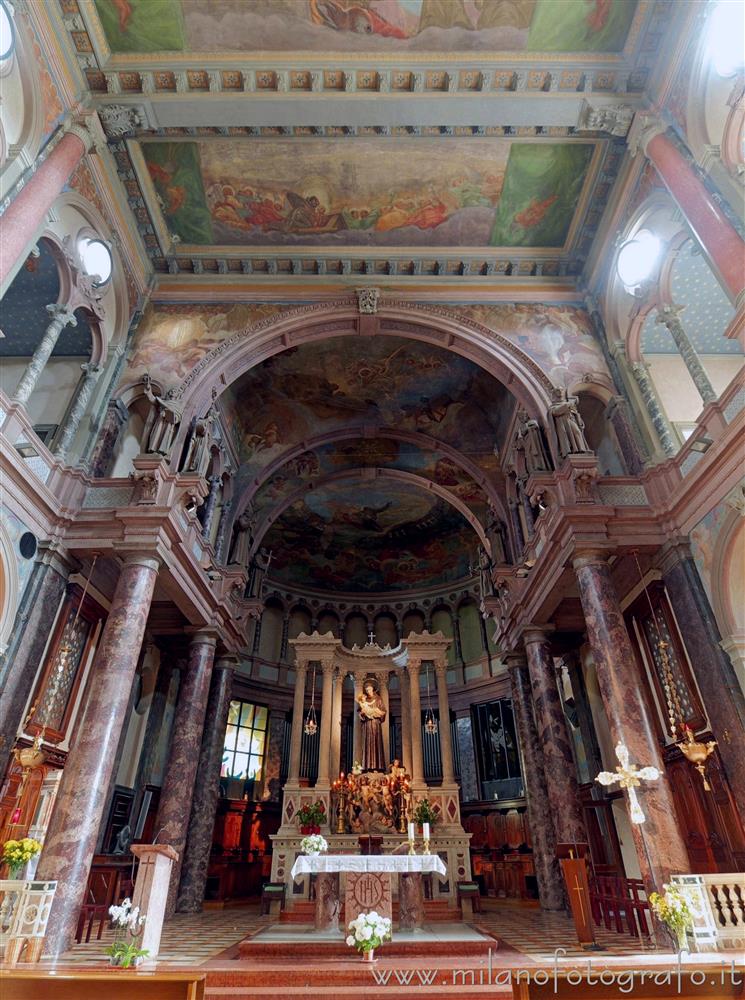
(402, 863)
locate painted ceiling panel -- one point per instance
(398, 193)
(363, 537)
(361, 26)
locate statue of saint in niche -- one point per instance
(372, 716)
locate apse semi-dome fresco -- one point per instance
(367, 537)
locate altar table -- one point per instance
(368, 885)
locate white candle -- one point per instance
(412, 831)
(425, 831)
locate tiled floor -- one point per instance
(194, 939)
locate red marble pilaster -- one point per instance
(555, 741)
(71, 838)
(172, 822)
(28, 209)
(543, 836)
(716, 234)
(659, 846)
(206, 789)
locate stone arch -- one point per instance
(441, 327)
(21, 149)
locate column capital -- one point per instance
(414, 665)
(91, 371)
(61, 313)
(669, 315)
(146, 559)
(301, 666)
(590, 557)
(81, 131)
(203, 637)
(537, 633)
(327, 664)
(441, 668)
(515, 660)
(645, 126)
(226, 661)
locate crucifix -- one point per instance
(371, 638)
(630, 777)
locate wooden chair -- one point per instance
(271, 892)
(470, 890)
(102, 891)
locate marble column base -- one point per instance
(410, 901)
(327, 901)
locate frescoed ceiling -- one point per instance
(384, 382)
(402, 139)
(403, 193)
(365, 537)
(358, 455)
(359, 26)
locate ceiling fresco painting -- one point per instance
(171, 339)
(362, 453)
(402, 193)
(364, 537)
(361, 26)
(344, 382)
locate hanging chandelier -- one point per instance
(310, 727)
(694, 751)
(430, 722)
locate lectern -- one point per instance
(572, 858)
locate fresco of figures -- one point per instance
(172, 339)
(366, 25)
(362, 453)
(332, 385)
(363, 537)
(403, 192)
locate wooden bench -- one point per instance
(89, 984)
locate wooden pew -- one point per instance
(92, 984)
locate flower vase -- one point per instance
(681, 940)
(369, 955)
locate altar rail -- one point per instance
(718, 904)
(24, 912)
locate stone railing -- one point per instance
(24, 912)
(718, 903)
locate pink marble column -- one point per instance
(712, 228)
(547, 871)
(555, 741)
(172, 822)
(71, 839)
(659, 844)
(27, 211)
(206, 788)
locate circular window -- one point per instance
(27, 545)
(637, 258)
(7, 33)
(96, 259)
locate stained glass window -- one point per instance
(243, 754)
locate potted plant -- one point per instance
(18, 853)
(128, 923)
(671, 907)
(425, 813)
(311, 817)
(314, 844)
(368, 931)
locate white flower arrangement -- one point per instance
(127, 917)
(368, 931)
(128, 923)
(314, 844)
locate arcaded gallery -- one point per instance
(372, 499)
